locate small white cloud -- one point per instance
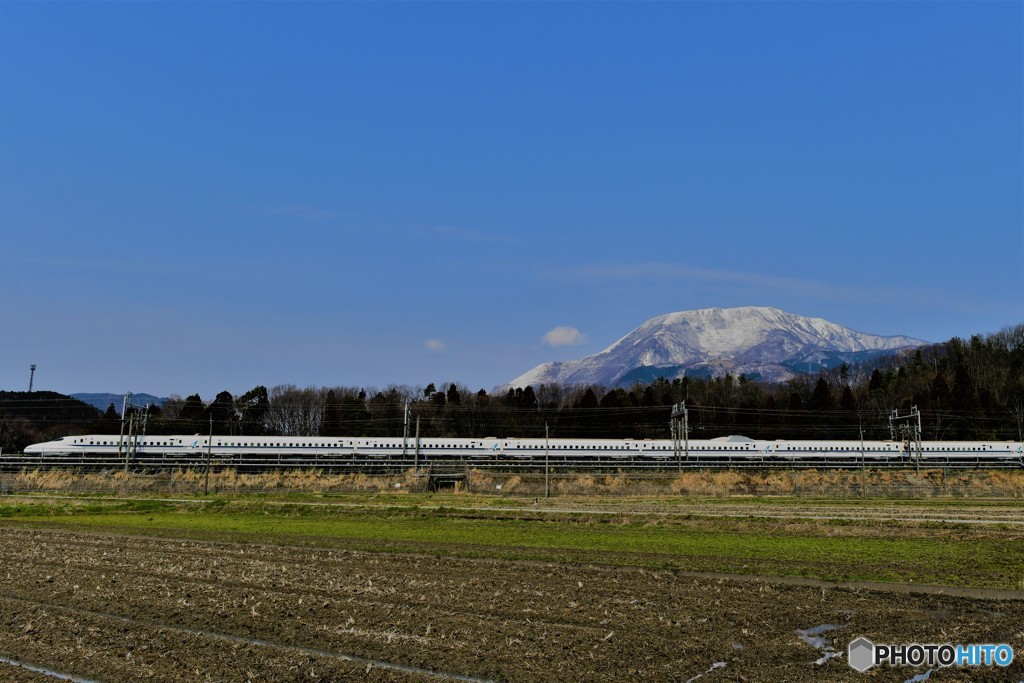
(564, 336)
(434, 345)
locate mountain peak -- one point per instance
(759, 341)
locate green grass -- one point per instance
(78, 508)
(954, 556)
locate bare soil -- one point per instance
(118, 608)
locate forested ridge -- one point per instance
(965, 389)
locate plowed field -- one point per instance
(109, 607)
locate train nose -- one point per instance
(34, 449)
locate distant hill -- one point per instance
(761, 343)
(45, 408)
(102, 401)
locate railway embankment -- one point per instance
(803, 483)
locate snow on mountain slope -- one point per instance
(761, 342)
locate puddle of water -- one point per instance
(716, 665)
(813, 637)
(828, 655)
(46, 672)
(920, 677)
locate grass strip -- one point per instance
(748, 547)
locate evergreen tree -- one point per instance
(846, 401)
(192, 416)
(821, 397)
(875, 383)
(529, 399)
(110, 423)
(253, 406)
(437, 399)
(589, 400)
(331, 422)
(355, 417)
(222, 412)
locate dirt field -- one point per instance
(115, 608)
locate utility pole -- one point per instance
(128, 444)
(681, 431)
(547, 469)
(863, 464)
(405, 432)
(910, 432)
(31, 376)
(120, 441)
(209, 447)
(139, 430)
(128, 449)
(675, 439)
(416, 462)
(145, 421)
(686, 433)
(133, 439)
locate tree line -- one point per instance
(965, 389)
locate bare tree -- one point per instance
(294, 411)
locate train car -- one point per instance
(731, 451)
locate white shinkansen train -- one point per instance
(724, 450)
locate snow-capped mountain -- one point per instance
(759, 342)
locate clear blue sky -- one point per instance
(206, 196)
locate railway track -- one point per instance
(344, 463)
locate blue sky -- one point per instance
(206, 196)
